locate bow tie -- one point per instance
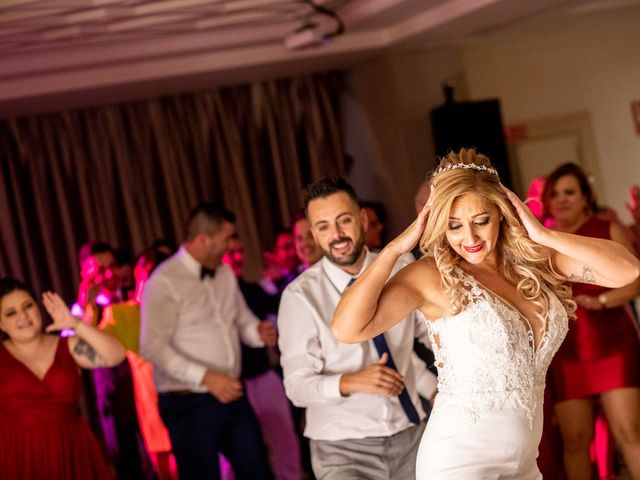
(207, 272)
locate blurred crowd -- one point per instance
(592, 395)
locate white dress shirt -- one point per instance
(189, 325)
(313, 360)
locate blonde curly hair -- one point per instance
(522, 261)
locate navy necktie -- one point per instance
(207, 272)
(405, 400)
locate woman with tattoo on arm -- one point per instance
(42, 434)
(601, 354)
(491, 288)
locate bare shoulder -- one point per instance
(422, 279)
(423, 270)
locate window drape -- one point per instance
(129, 173)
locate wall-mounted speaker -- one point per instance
(458, 125)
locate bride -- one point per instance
(491, 286)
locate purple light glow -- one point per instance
(76, 310)
(102, 300)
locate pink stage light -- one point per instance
(76, 310)
(102, 300)
(67, 332)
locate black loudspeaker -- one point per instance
(459, 125)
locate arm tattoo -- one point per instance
(587, 276)
(82, 348)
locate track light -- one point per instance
(309, 35)
(316, 31)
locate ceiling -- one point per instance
(59, 54)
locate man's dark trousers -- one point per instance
(200, 426)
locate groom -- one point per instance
(364, 417)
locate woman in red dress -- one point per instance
(600, 356)
(42, 434)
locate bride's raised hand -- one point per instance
(534, 228)
(409, 238)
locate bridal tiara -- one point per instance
(471, 166)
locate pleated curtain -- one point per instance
(129, 173)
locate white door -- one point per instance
(540, 156)
(543, 144)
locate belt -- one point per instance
(180, 393)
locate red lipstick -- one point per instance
(474, 248)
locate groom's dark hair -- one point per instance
(325, 187)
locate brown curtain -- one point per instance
(128, 174)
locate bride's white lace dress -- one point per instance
(487, 418)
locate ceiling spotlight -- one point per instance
(309, 35)
(317, 31)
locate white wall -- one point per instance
(546, 67)
(387, 128)
(579, 63)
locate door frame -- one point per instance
(578, 123)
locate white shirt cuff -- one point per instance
(251, 337)
(427, 385)
(195, 374)
(330, 386)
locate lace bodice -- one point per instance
(486, 354)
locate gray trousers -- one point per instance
(373, 458)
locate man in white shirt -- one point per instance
(193, 317)
(364, 416)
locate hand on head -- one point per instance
(411, 236)
(432, 196)
(534, 228)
